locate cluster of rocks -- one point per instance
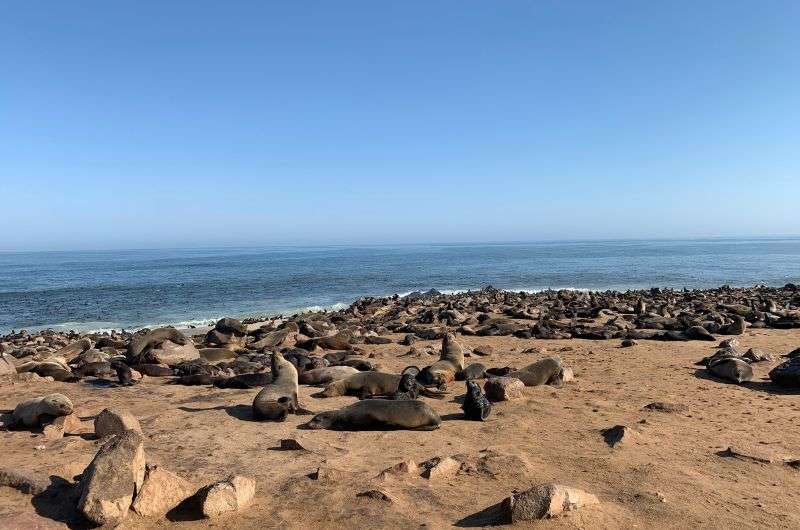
(120, 478)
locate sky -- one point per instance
(134, 124)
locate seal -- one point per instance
(322, 376)
(450, 362)
(243, 381)
(34, 412)
(124, 373)
(476, 406)
(279, 398)
(547, 371)
(141, 342)
(407, 388)
(473, 371)
(368, 384)
(731, 368)
(379, 414)
(74, 348)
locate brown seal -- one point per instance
(379, 414)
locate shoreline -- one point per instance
(203, 324)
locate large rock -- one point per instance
(503, 388)
(111, 481)
(161, 491)
(229, 495)
(544, 501)
(115, 421)
(7, 367)
(171, 354)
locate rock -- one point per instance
(569, 375)
(229, 495)
(503, 388)
(290, 444)
(483, 350)
(619, 434)
(627, 343)
(377, 495)
(70, 423)
(29, 482)
(112, 479)
(439, 468)
(161, 491)
(543, 501)
(171, 354)
(748, 456)
(404, 468)
(114, 421)
(7, 367)
(662, 406)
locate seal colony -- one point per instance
(395, 363)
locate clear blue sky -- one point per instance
(185, 123)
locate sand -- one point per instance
(668, 476)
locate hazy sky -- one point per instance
(149, 124)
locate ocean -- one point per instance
(130, 289)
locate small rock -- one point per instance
(503, 388)
(161, 491)
(569, 375)
(544, 501)
(749, 456)
(229, 495)
(290, 444)
(483, 350)
(619, 434)
(662, 406)
(114, 421)
(405, 468)
(377, 495)
(628, 343)
(440, 468)
(63, 424)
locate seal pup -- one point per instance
(279, 398)
(379, 414)
(473, 371)
(243, 381)
(450, 362)
(124, 373)
(476, 406)
(547, 371)
(34, 412)
(731, 368)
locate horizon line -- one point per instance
(408, 244)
